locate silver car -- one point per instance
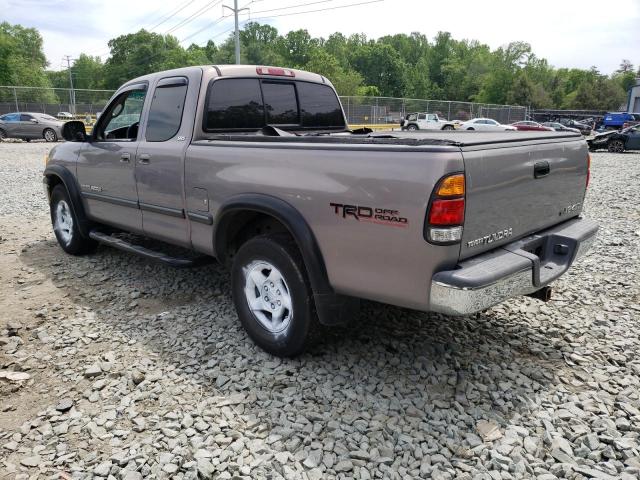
(29, 126)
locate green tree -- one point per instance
(346, 82)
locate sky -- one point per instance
(569, 34)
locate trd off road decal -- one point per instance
(381, 216)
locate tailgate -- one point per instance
(515, 190)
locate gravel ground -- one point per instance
(112, 366)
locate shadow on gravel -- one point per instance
(438, 373)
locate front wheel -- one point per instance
(50, 135)
(272, 295)
(3, 134)
(616, 146)
(65, 224)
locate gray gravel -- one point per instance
(140, 371)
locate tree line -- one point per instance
(400, 65)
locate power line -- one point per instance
(218, 20)
(193, 16)
(173, 14)
(294, 6)
(318, 10)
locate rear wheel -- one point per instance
(3, 134)
(272, 295)
(65, 224)
(470, 128)
(50, 135)
(447, 127)
(412, 128)
(616, 146)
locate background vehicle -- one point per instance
(485, 124)
(29, 126)
(558, 127)
(256, 167)
(631, 123)
(613, 141)
(529, 126)
(64, 115)
(616, 120)
(425, 121)
(583, 127)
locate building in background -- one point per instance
(633, 105)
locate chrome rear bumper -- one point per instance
(519, 268)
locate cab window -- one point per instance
(422, 116)
(165, 113)
(121, 119)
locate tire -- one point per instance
(65, 224)
(448, 127)
(615, 146)
(471, 128)
(412, 128)
(50, 135)
(3, 134)
(268, 272)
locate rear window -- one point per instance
(250, 104)
(280, 103)
(235, 104)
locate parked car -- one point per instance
(583, 127)
(614, 141)
(29, 126)
(485, 124)
(558, 127)
(425, 121)
(64, 115)
(529, 126)
(261, 172)
(616, 120)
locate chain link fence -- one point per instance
(52, 100)
(359, 110)
(389, 110)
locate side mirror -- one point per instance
(74, 131)
(34, 120)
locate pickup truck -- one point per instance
(256, 167)
(425, 121)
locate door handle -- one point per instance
(541, 169)
(125, 157)
(144, 158)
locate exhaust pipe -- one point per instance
(543, 294)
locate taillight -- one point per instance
(446, 211)
(278, 72)
(588, 169)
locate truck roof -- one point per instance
(240, 71)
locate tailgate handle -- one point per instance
(541, 169)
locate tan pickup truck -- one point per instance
(256, 167)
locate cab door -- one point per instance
(422, 121)
(160, 157)
(106, 164)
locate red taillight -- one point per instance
(447, 212)
(278, 72)
(588, 169)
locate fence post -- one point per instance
(15, 97)
(449, 114)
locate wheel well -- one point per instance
(243, 226)
(52, 181)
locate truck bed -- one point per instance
(461, 139)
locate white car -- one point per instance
(485, 124)
(64, 115)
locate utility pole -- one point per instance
(72, 94)
(236, 11)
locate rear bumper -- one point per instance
(519, 268)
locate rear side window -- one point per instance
(165, 114)
(280, 103)
(319, 106)
(234, 104)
